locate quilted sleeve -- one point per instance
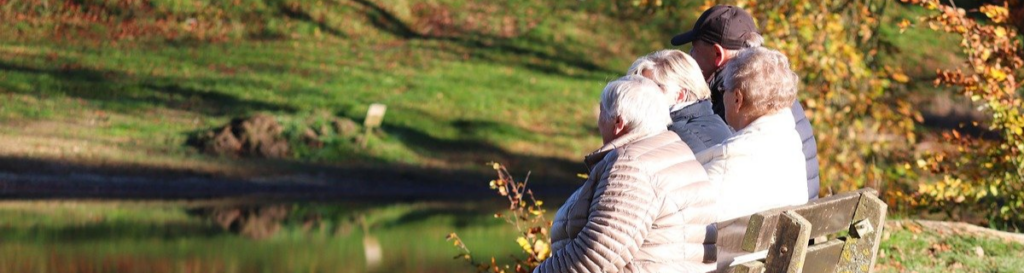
(621, 214)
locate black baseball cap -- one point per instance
(723, 25)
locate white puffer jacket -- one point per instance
(645, 208)
(760, 167)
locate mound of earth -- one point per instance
(256, 136)
(263, 137)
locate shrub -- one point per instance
(527, 215)
(980, 176)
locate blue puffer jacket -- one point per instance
(803, 127)
(698, 126)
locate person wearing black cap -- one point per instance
(718, 35)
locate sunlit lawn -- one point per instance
(452, 104)
(906, 248)
(454, 101)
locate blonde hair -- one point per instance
(673, 69)
(765, 79)
(636, 100)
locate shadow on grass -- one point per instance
(211, 102)
(472, 145)
(117, 92)
(560, 60)
(301, 15)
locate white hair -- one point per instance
(765, 79)
(637, 101)
(641, 64)
(750, 40)
(673, 69)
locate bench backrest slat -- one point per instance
(851, 222)
(828, 215)
(823, 257)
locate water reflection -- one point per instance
(372, 251)
(218, 236)
(263, 221)
(256, 222)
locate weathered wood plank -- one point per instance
(750, 267)
(829, 215)
(860, 250)
(790, 248)
(823, 257)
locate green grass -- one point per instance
(522, 92)
(918, 50)
(917, 250)
(454, 102)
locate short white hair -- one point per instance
(765, 79)
(750, 40)
(638, 101)
(673, 68)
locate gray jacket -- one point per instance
(698, 126)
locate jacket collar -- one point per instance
(598, 155)
(717, 77)
(780, 119)
(692, 111)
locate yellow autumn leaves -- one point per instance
(980, 176)
(526, 214)
(996, 13)
(539, 248)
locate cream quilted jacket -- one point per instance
(646, 207)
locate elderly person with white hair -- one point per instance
(684, 89)
(647, 203)
(718, 35)
(762, 165)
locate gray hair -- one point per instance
(750, 40)
(637, 101)
(672, 68)
(765, 79)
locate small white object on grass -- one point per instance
(375, 115)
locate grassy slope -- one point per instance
(454, 102)
(909, 248)
(456, 99)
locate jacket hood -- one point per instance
(692, 111)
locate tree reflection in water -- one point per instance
(256, 222)
(263, 221)
(247, 235)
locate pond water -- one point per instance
(235, 235)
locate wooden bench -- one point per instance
(848, 228)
